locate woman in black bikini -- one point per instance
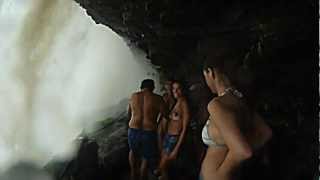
(233, 131)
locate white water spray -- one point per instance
(59, 73)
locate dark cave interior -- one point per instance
(281, 64)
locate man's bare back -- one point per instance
(145, 110)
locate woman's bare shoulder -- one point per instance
(216, 104)
(219, 110)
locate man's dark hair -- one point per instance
(147, 83)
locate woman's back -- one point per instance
(238, 107)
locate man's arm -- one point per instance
(185, 121)
(129, 111)
(129, 108)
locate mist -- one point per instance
(59, 73)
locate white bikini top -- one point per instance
(209, 141)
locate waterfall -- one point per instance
(59, 73)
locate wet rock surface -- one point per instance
(280, 63)
(102, 153)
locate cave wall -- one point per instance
(283, 60)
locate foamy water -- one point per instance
(59, 72)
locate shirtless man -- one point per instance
(176, 130)
(145, 108)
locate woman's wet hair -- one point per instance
(227, 55)
(147, 83)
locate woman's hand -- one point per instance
(173, 156)
(261, 134)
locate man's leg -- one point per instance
(143, 169)
(150, 153)
(134, 154)
(133, 166)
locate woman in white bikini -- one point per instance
(233, 131)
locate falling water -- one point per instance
(59, 73)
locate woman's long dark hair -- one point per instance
(227, 54)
